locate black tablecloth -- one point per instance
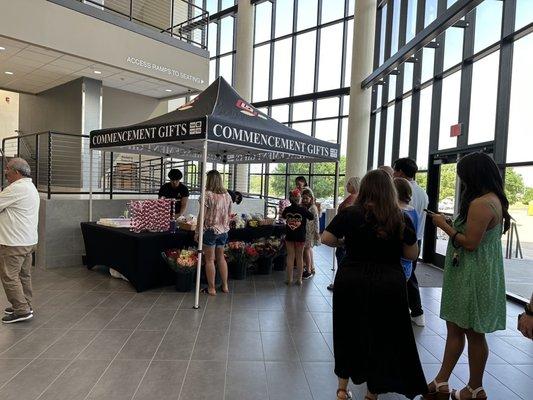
(250, 234)
(137, 256)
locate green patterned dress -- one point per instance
(473, 292)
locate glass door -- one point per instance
(444, 190)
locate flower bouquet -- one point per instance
(237, 260)
(266, 250)
(236, 222)
(183, 262)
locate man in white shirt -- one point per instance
(407, 168)
(19, 216)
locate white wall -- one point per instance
(125, 108)
(9, 114)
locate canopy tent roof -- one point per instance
(236, 132)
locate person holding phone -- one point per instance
(473, 292)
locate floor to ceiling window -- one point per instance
(475, 75)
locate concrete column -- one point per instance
(244, 46)
(91, 119)
(360, 99)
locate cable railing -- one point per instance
(182, 19)
(60, 165)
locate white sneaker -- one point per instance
(419, 320)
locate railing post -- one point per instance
(131, 10)
(171, 18)
(140, 172)
(111, 178)
(3, 158)
(49, 180)
(37, 161)
(161, 177)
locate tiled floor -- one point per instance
(93, 337)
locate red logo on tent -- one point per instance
(248, 109)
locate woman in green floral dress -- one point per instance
(473, 291)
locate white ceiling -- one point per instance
(36, 69)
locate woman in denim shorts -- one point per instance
(216, 227)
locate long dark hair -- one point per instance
(378, 200)
(480, 175)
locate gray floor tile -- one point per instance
(119, 381)
(273, 321)
(90, 299)
(142, 345)
(162, 381)
(96, 319)
(301, 322)
(169, 301)
(76, 381)
(65, 298)
(143, 300)
(8, 337)
(157, 320)
(245, 321)
(211, 345)
(278, 346)
(286, 380)
(106, 345)
(128, 318)
(526, 369)
(324, 321)
(514, 379)
(176, 346)
(67, 318)
(312, 347)
(186, 321)
(117, 300)
(70, 345)
(244, 302)
(34, 344)
(321, 378)
(245, 346)
(508, 352)
(32, 380)
(8, 368)
(221, 302)
(204, 381)
(246, 380)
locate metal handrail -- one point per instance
(204, 20)
(52, 158)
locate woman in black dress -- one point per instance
(372, 334)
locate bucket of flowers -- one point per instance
(183, 262)
(266, 248)
(237, 260)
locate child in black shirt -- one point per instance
(296, 218)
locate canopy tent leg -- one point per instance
(200, 227)
(90, 185)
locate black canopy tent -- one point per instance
(216, 126)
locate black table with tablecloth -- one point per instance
(137, 256)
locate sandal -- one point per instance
(456, 394)
(437, 394)
(347, 394)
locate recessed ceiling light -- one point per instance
(97, 72)
(2, 48)
(9, 73)
(168, 90)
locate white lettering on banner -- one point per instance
(164, 70)
(264, 139)
(148, 134)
